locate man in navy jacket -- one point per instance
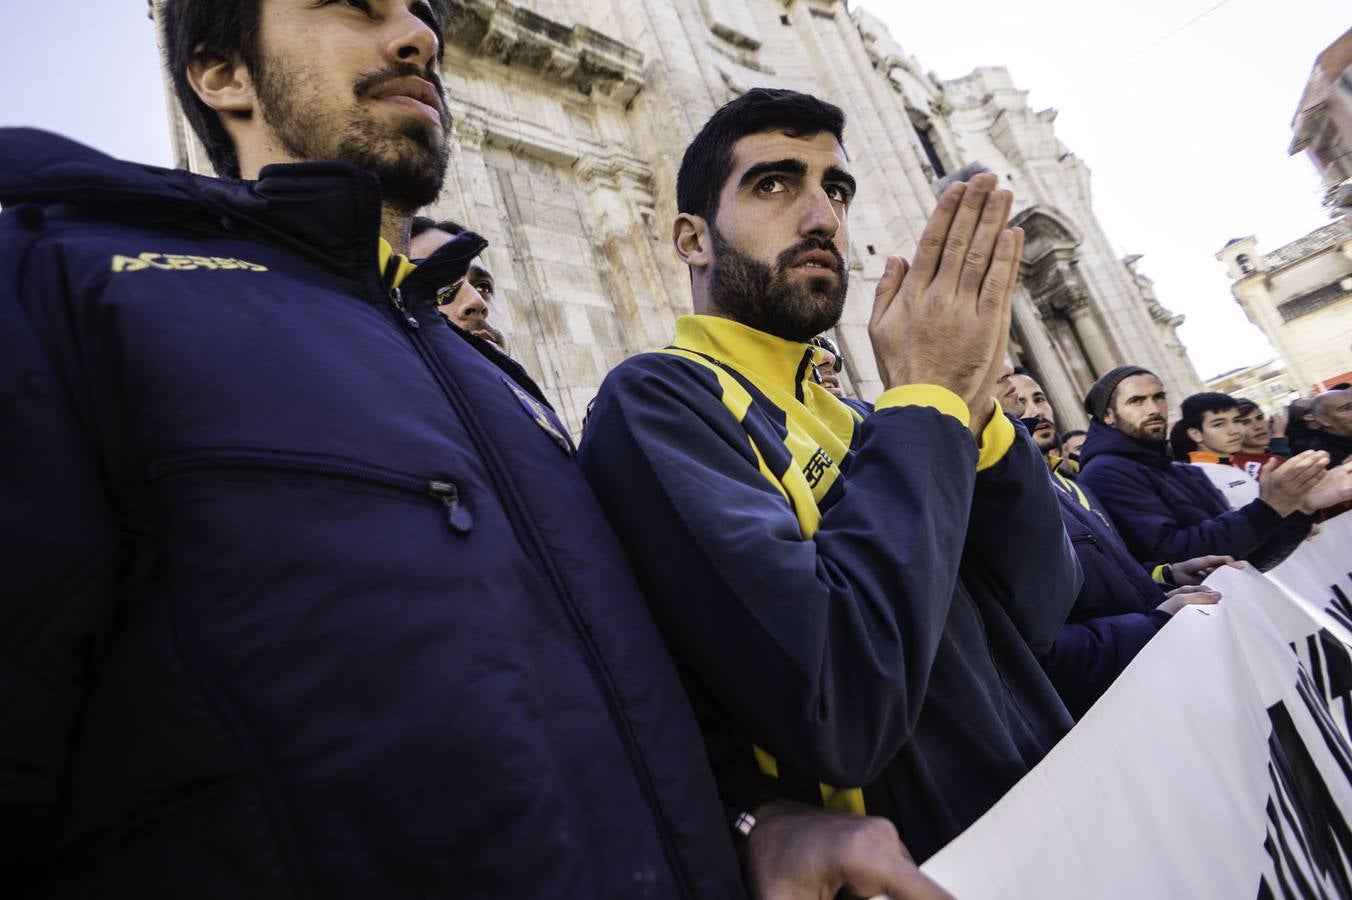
(858, 599)
(1120, 607)
(1167, 510)
(305, 595)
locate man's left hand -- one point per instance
(1196, 570)
(800, 852)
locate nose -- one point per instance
(471, 308)
(411, 39)
(818, 217)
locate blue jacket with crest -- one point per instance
(305, 595)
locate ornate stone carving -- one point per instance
(1050, 264)
(595, 64)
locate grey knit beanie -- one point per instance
(1101, 394)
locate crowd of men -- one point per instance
(313, 594)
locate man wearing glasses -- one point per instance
(466, 300)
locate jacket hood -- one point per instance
(1104, 440)
(328, 210)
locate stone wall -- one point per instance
(571, 119)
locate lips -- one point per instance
(816, 259)
(409, 88)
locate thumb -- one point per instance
(1267, 468)
(893, 274)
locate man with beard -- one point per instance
(856, 600)
(305, 595)
(1167, 510)
(1119, 607)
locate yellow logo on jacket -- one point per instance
(174, 262)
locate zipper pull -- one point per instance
(457, 516)
(397, 299)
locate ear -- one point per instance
(1195, 434)
(1109, 417)
(692, 240)
(225, 85)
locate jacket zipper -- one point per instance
(531, 540)
(441, 490)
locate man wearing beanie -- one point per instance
(1167, 510)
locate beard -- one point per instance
(1137, 430)
(1044, 443)
(410, 158)
(765, 298)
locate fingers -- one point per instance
(1015, 260)
(963, 229)
(1205, 565)
(1303, 471)
(1003, 273)
(906, 882)
(994, 217)
(894, 273)
(931, 247)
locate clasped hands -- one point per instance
(943, 319)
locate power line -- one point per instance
(1160, 40)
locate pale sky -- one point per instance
(1186, 136)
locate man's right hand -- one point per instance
(800, 852)
(1192, 595)
(944, 320)
(1284, 488)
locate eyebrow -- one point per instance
(795, 167)
(781, 166)
(845, 178)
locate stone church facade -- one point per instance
(571, 117)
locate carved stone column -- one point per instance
(1091, 337)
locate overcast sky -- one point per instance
(1185, 131)
(1183, 126)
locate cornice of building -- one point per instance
(595, 64)
(1321, 239)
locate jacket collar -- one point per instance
(783, 364)
(328, 210)
(1104, 440)
(1063, 465)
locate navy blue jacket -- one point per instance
(1169, 511)
(889, 644)
(1338, 448)
(1115, 612)
(302, 597)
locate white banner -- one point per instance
(1219, 765)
